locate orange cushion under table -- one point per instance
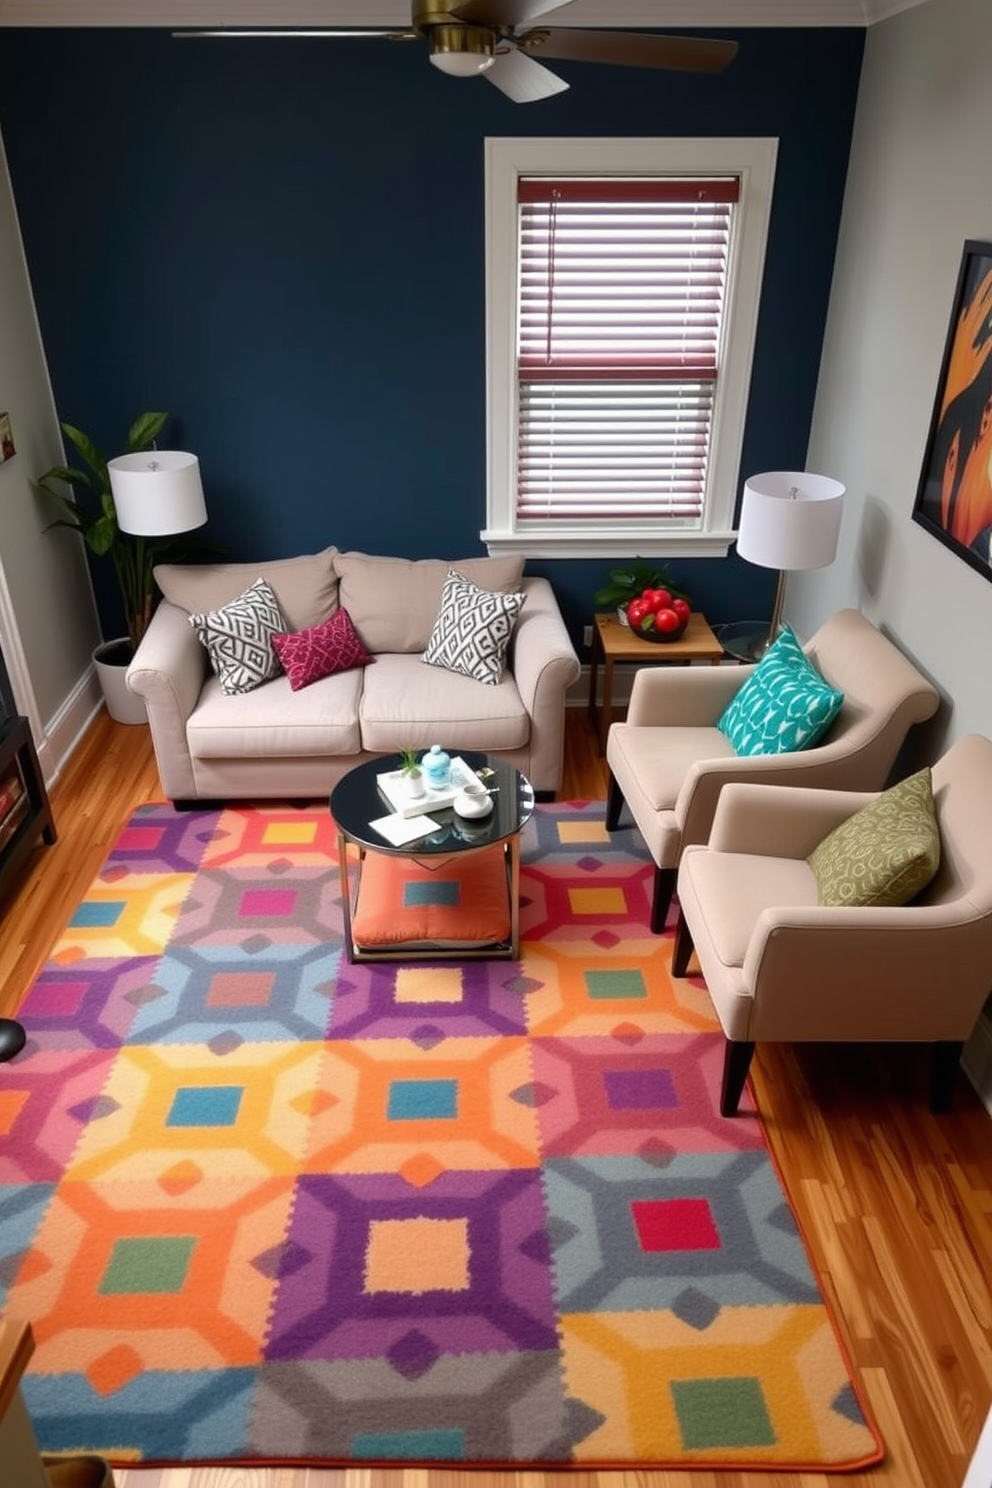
(447, 902)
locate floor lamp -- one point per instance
(157, 493)
(789, 520)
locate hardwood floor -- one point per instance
(895, 1204)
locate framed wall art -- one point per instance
(6, 437)
(954, 497)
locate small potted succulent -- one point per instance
(413, 775)
(628, 581)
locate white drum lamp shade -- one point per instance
(157, 493)
(790, 520)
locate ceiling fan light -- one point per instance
(462, 51)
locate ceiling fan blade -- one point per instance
(297, 32)
(521, 78)
(504, 13)
(630, 49)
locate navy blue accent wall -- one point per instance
(282, 243)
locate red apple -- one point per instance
(636, 611)
(667, 621)
(656, 599)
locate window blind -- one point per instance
(621, 296)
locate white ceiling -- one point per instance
(682, 14)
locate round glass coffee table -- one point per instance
(359, 800)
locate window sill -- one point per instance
(646, 544)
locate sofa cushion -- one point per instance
(884, 854)
(238, 638)
(784, 705)
(404, 700)
(320, 651)
(393, 602)
(276, 723)
(306, 587)
(736, 889)
(472, 630)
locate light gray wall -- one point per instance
(48, 622)
(920, 184)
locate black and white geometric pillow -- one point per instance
(472, 629)
(238, 638)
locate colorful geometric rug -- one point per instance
(262, 1204)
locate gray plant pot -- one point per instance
(111, 660)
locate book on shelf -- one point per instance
(393, 787)
(11, 791)
(15, 815)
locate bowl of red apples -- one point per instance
(658, 615)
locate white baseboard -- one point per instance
(623, 679)
(65, 729)
(577, 695)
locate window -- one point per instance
(623, 279)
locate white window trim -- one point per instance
(753, 160)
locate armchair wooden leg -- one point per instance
(945, 1060)
(614, 805)
(683, 947)
(736, 1063)
(664, 888)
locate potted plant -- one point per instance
(628, 580)
(413, 775)
(92, 514)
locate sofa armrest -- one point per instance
(168, 671)
(779, 821)
(683, 697)
(544, 666)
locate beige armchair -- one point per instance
(779, 967)
(668, 761)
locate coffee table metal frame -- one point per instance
(356, 801)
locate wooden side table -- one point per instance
(613, 642)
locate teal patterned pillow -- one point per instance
(783, 706)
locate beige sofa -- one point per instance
(274, 743)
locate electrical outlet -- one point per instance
(587, 635)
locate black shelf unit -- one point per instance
(17, 753)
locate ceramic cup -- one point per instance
(473, 800)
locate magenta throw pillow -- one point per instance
(333, 646)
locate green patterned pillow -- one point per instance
(783, 706)
(884, 854)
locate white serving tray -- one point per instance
(393, 788)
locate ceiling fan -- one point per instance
(482, 37)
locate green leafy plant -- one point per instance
(628, 580)
(410, 762)
(92, 514)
